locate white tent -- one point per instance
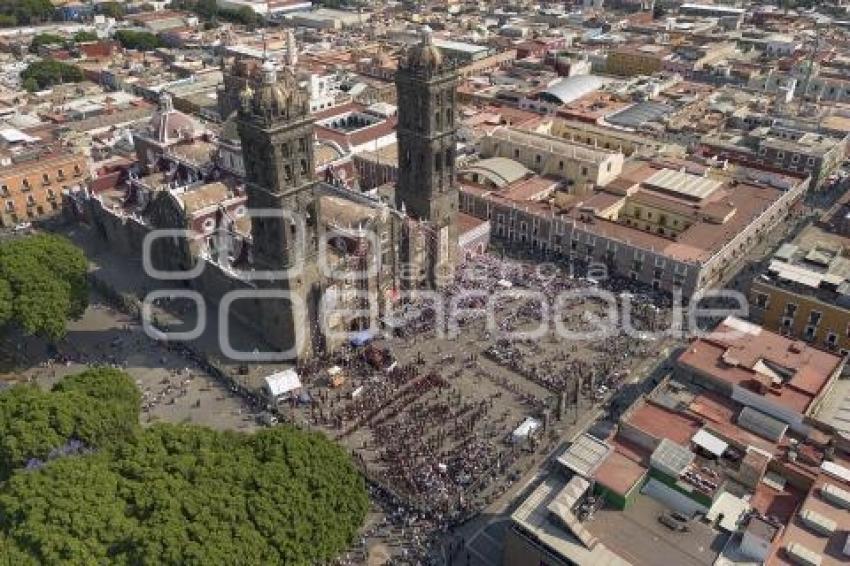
(526, 429)
(282, 383)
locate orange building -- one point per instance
(31, 185)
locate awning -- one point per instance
(709, 442)
(282, 382)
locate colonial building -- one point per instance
(309, 259)
(33, 179)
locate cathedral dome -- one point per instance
(425, 55)
(277, 93)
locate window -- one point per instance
(25, 185)
(780, 155)
(45, 179)
(761, 300)
(77, 170)
(10, 205)
(4, 191)
(831, 340)
(50, 194)
(814, 318)
(560, 166)
(30, 200)
(60, 174)
(584, 171)
(790, 310)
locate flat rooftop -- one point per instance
(619, 473)
(534, 518)
(744, 354)
(829, 547)
(692, 187)
(584, 455)
(716, 210)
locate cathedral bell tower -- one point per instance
(426, 89)
(276, 135)
(276, 132)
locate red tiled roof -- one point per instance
(730, 355)
(619, 473)
(661, 423)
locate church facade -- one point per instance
(311, 260)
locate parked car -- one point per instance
(673, 522)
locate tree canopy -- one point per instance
(210, 11)
(24, 12)
(170, 494)
(48, 73)
(111, 9)
(43, 284)
(84, 35)
(45, 39)
(139, 40)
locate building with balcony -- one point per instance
(32, 183)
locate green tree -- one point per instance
(168, 494)
(112, 10)
(45, 39)
(98, 407)
(46, 277)
(24, 12)
(50, 73)
(139, 40)
(207, 9)
(83, 35)
(30, 84)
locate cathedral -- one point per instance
(315, 259)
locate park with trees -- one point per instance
(81, 482)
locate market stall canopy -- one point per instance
(282, 382)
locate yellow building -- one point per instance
(31, 185)
(627, 143)
(632, 62)
(805, 292)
